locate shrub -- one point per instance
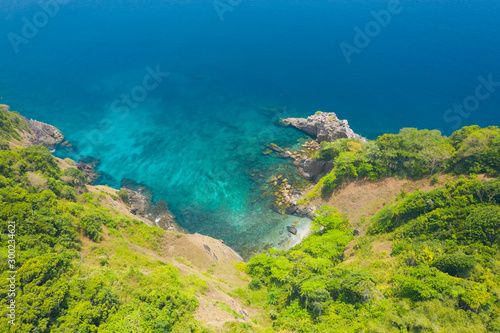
(123, 195)
(255, 284)
(329, 183)
(91, 227)
(483, 225)
(455, 264)
(67, 192)
(75, 176)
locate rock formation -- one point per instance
(139, 203)
(140, 199)
(87, 167)
(298, 210)
(292, 230)
(324, 126)
(43, 134)
(286, 197)
(308, 167)
(163, 216)
(312, 169)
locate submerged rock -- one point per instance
(324, 126)
(275, 147)
(292, 230)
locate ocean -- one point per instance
(183, 96)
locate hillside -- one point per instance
(406, 238)
(403, 241)
(85, 263)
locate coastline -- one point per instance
(282, 193)
(39, 133)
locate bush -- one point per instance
(412, 153)
(123, 195)
(329, 183)
(483, 225)
(255, 284)
(67, 192)
(455, 264)
(91, 227)
(75, 176)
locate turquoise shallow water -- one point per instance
(196, 137)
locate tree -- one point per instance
(483, 225)
(435, 157)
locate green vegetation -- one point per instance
(442, 275)
(123, 195)
(10, 125)
(428, 262)
(60, 291)
(439, 270)
(10, 122)
(411, 153)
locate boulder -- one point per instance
(292, 208)
(324, 126)
(312, 169)
(292, 230)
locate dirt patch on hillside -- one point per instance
(360, 199)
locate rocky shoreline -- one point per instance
(139, 196)
(278, 185)
(141, 203)
(87, 166)
(324, 126)
(42, 134)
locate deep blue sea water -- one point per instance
(195, 135)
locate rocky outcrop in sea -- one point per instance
(324, 126)
(87, 167)
(43, 134)
(140, 200)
